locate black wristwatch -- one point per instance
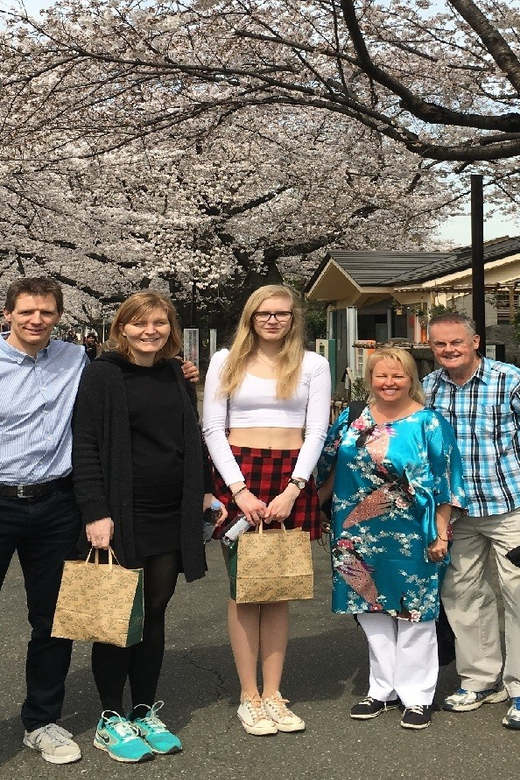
(300, 483)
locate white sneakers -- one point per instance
(54, 743)
(254, 718)
(261, 717)
(281, 715)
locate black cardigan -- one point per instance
(102, 464)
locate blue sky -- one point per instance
(457, 229)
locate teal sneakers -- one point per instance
(153, 731)
(120, 739)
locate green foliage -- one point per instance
(358, 390)
(516, 325)
(439, 308)
(425, 314)
(316, 316)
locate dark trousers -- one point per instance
(44, 532)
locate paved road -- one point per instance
(325, 674)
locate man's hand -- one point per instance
(190, 370)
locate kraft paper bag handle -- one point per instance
(260, 527)
(111, 557)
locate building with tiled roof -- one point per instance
(374, 296)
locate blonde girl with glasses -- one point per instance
(266, 412)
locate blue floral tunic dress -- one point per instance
(388, 481)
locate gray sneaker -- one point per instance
(54, 743)
(465, 701)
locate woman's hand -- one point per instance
(100, 532)
(438, 550)
(250, 506)
(209, 498)
(324, 523)
(281, 506)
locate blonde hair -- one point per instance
(246, 341)
(395, 355)
(136, 306)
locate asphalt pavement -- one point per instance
(326, 673)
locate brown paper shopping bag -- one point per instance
(100, 602)
(274, 565)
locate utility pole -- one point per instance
(477, 258)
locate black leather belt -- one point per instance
(36, 491)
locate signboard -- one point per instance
(212, 342)
(191, 345)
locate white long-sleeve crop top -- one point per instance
(254, 405)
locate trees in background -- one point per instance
(213, 146)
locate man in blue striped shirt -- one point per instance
(38, 515)
(481, 400)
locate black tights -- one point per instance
(140, 664)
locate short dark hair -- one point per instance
(453, 318)
(34, 285)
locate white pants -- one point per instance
(470, 601)
(403, 658)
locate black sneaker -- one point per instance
(417, 717)
(371, 708)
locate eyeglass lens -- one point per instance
(279, 316)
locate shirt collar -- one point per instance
(480, 374)
(18, 356)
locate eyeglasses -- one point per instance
(265, 316)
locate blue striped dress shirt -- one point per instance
(484, 412)
(36, 401)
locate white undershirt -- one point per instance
(255, 405)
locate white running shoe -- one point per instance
(54, 743)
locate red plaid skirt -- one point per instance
(267, 473)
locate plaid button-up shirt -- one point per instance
(485, 415)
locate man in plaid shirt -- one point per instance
(481, 400)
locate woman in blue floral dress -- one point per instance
(395, 477)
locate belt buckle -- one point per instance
(20, 491)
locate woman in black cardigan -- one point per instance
(142, 481)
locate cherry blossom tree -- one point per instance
(217, 145)
(258, 199)
(442, 78)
